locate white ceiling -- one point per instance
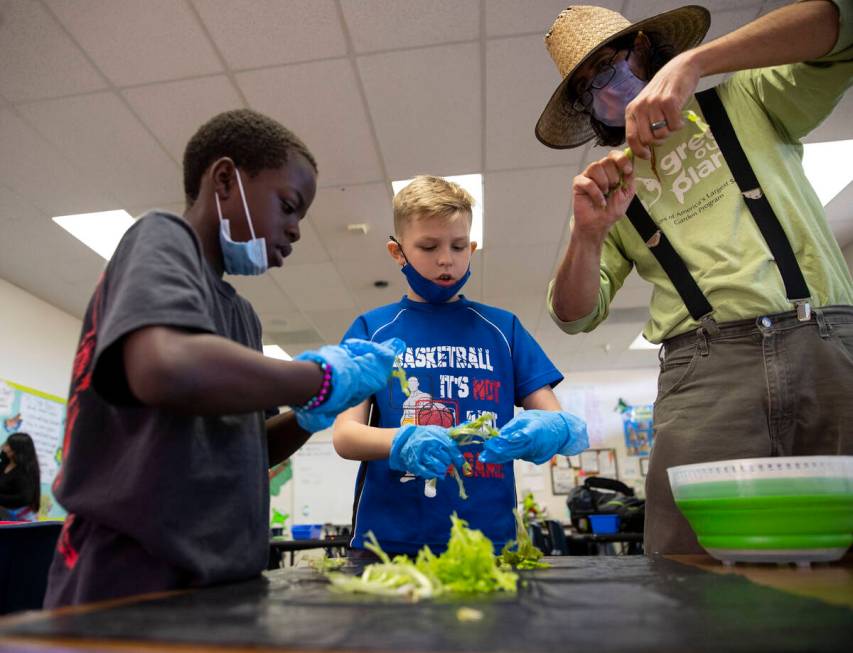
(98, 98)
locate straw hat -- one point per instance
(578, 33)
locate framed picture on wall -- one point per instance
(599, 462)
(589, 461)
(607, 463)
(574, 462)
(562, 479)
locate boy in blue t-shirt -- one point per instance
(463, 359)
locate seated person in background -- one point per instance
(167, 450)
(20, 481)
(468, 359)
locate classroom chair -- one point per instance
(26, 551)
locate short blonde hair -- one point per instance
(428, 196)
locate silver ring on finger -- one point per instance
(658, 124)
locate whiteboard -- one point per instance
(323, 485)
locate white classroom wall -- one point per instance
(848, 255)
(37, 342)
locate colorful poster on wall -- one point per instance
(638, 425)
(42, 416)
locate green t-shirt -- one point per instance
(693, 199)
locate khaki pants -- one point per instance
(772, 386)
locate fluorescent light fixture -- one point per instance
(274, 351)
(828, 167)
(98, 231)
(474, 185)
(641, 343)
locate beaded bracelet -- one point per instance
(325, 388)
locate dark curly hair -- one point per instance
(26, 458)
(252, 140)
(660, 54)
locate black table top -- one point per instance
(597, 603)
(302, 545)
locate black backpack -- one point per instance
(588, 499)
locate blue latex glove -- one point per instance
(359, 370)
(536, 436)
(425, 451)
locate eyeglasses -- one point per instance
(604, 72)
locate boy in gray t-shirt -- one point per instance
(167, 443)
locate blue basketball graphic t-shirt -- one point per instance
(462, 359)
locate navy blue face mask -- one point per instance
(429, 290)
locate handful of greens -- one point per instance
(474, 432)
(689, 115)
(400, 374)
(468, 566)
(525, 555)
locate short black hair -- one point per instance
(252, 140)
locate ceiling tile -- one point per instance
(728, 21)
(255, 33)
(359, 274)
(69, 278)
(528, 307)
(174, 111)
(281, 320)
(314, 287)
(771, 5)
(639, 9)
(267, 298)
(35, 162)
(14, 208)
(527, 207)
(139, 42)
(549, 335)
(321, 103)
(308, 249)
(518, 270)
(425, 106)
(333, 324)
(336, 207)
(40, 61)
(505, 17)
(389, 24)
(296, 348)
(632, 297)
(177, 208)
(520, 79)
(108, 143)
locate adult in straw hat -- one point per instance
(752, 299)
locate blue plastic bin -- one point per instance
(604, 524)
(307, 531)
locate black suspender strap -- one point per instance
(669, 260)
(796, 288)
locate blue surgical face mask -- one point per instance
(608, 103)
(248, 258)
(430, 290)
